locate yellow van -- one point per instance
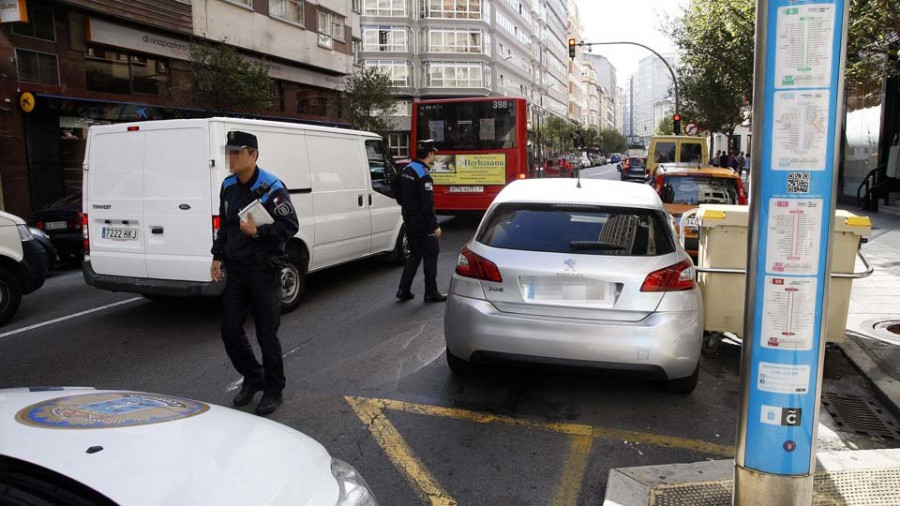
(682, 149)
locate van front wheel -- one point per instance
(293, 284)
(10, 295)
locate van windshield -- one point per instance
(557, 228)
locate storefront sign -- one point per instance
(469, 169)
(13, 11)
(103, 32)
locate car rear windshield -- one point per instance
(591, 230)
(699, 190)
(635, 162)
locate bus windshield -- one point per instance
(468, 126)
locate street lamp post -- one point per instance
(666, 63)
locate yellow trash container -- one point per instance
(723, 245)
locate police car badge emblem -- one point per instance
(108, 410)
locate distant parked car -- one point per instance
(558, 167)
(61, 221)
(615, 158)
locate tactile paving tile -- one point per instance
(876, 487)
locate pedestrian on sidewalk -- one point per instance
(740, 163)
(723, 159)
(420, 222)
(251, 254)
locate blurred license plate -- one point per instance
(467, 189)
(55, 225)
(692, 221)
(560, 290)
(119, 234)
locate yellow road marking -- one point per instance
(574, 468)
(370, 411)
(399, 452)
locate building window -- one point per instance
(457, 75)
(399, 144)
(247, 3)
(357, 47)
(385, 39)
(288, 10)
(446, 9)
(356, 6)
(40, 24)
(320, 102)
(37, 67)
(385, 8)
(398, 70)
(454, 41)
(331, 28)
(126, 73)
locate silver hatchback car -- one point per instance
(589, 276)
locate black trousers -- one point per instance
(421, 247)
(250, 288)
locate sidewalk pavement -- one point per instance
(870, 477)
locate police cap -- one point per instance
(426, 145)
(237, 140)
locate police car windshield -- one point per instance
(468, 126)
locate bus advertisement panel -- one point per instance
(481, 147)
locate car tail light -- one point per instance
(659, 183)
(674, 278)
(475, 266)
(742, 193)
(522, 176)
(73, 224)
(86, 241)
(216, 224)
(39, 224)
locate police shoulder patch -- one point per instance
(284, 209)
(429, 187)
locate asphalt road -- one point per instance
(367, 378)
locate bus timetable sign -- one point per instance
(797, 96)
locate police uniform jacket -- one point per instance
(233, 245)
(417, 199)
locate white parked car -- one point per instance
(151, 201)
(80, 446)
(23, 264)
(589, 276)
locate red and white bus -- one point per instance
(482, 146)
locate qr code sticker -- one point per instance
(798, 182)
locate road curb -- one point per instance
(710, 482)
(886, 388)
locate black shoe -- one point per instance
(436, 297)
(268, 404)
(245, 396)
(405, 295)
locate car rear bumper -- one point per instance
(148, 286)
(665, 344)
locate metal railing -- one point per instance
(726, 270)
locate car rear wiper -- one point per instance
(594, 246)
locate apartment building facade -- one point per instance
(78, 63)
(466, 48)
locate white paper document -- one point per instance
(800, 130)
(788, 313)
(783, 378)
(259, 213)
(804, 47)
(795, 236)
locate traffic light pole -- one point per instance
(666, 63)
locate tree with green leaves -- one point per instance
(223, 79)
(666, 126)
(368, 93)
(557, 135)
(873, 46)
(590, 135)
(613, 141)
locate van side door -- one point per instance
(384, 210)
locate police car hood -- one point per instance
(159, 449)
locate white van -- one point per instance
(151, 201)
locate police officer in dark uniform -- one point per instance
(422, 229)
(253, 256)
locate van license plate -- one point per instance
(55, 225)
(467, 189)
(119, 234)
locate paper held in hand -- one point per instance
(260, 215)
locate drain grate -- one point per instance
(852, 414)
(870, 487)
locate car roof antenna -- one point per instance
(578, 175)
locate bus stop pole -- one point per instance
(800, 51)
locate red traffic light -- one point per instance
(676, 117)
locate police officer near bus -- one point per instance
(416, 199)
(253, 256)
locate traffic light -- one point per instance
(572, 48)
(676, 123)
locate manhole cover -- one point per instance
(888, 330)
(852, 414)
(893, 328)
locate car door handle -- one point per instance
(359, 200)
(156, 230)
(370, 199)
